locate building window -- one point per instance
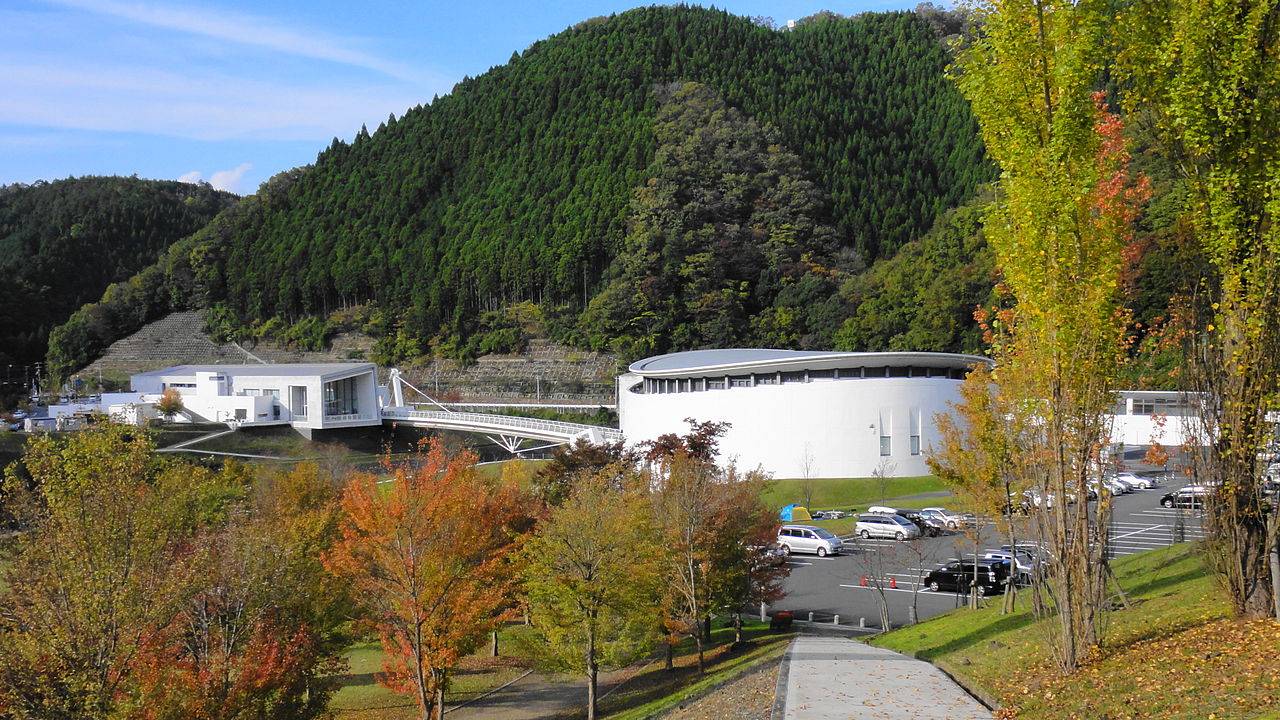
(915, 444)
(340, 397)
(298, 401)
(1144, 407)
(717, 384)
(181, 386)
(769, 379)
(793, 377)
(886, 446)
(740, 382)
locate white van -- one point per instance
(885, 525)
(809, 539)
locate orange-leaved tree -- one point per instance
(427, 559)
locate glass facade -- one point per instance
(340, 397)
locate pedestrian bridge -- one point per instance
(508, 431)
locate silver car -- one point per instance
(809, 539)
(884, 525)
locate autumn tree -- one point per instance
(104, 562)
(581, 459)
(707, 518)
(591, 578)
(1060, 228)
(1209, 72)
(260, 635)
(170, 403)
(427, 559)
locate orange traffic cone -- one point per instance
(864, 580)
(893, 582)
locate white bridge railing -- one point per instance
(532, 428)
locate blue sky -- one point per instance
(233, 92)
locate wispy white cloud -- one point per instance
(43, 92)
(192, 177)
(248, 30)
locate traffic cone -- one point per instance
(864, 580)
(893, 582)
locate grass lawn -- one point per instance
(654, 689)
(1176, 653)
(844, 493)
(363, 698)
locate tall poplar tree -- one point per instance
(1210, 71)
(1059, 228)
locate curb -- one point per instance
(779, 710)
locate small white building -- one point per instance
(799, 413)
(307, 396)
(1168, 417)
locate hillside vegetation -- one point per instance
(529, 183)
(62, 243)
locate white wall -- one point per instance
(840, 422)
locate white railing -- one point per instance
(484, 422)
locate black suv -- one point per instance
(957, 575)
(928, 526)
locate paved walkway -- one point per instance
(830, 677)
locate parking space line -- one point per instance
(1137, 532)
(886, 589)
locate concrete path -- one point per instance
(830, 677)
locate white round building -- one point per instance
(799, 413)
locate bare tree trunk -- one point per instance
(697, 636)
(592, 673)
(737, 628)
(668, 654)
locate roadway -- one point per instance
(833, 585)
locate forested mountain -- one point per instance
(62, 243)
(522, 185)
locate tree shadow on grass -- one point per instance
(1161, 583)
(1008, 623)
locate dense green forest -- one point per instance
(62, 243)
(523, 183)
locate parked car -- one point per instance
(1028, 565)
(882, 509)
(886, 525)
(958, 575)
(809, 539)
(953, 520)
(831, 514)
(1116, 487)
(929, 526)
(1141, 482)
(1191, 496)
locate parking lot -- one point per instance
(833, 586)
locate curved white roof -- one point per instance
(695, 363)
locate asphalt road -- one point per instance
(833, 586)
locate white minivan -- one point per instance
(885, 525)
(808, 539)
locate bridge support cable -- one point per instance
(397, 392)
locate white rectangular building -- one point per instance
(307, 396)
